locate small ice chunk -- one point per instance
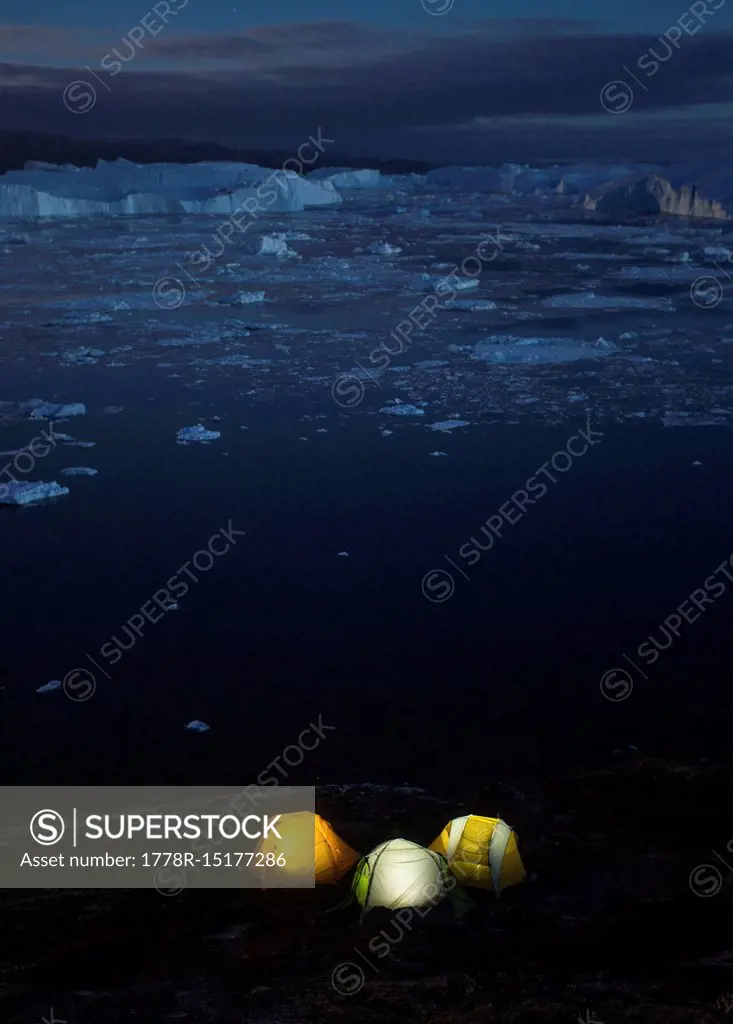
(243, 298)
(77, 444)
(439, 453)
(49, 411)
(343, 554)
(446, 425)
(79, 471)
(112, 409)
(198, 433)
(25, 493)
(402, 410)
(383, 249)
(197, 726)
(697, 463)
(54, 684)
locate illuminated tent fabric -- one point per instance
(400, 873)
(303, 836)
(481, 852)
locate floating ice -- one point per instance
(384, 249)
(77, 444)
(439, 453)
(111, 409)
(402, 410)
(589, 300)
(25, 493)
(243, 298)
(447, 425)
(474, 305)
(343, 554)
(691, 419)
(79, 471)
(197, 726)
(123, 188)
(54, 684)
(40, 410)
(275, 245)
(198, 433)
(505, 348)
(81, 356)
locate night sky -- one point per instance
(444, 80)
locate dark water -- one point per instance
(280, 630)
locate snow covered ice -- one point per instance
(198, 433)
(25, 493)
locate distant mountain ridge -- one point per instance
(18, 147)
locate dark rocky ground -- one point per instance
(608, 928)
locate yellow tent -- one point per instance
(303, 833)
(481, 852)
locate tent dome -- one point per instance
(481, 851)
(305, 837)
(399, 873)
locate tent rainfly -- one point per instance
(482, 852)
(306, 836)
(399, 873)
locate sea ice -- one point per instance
(243, 298)
(40, 410)
(25, 493)
(198, 433)
(447, 425)
(503, 348)
(589, 300)
(54, 684)
(197, 726)
(402, 410)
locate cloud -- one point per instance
(273, 86)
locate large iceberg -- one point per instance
(525, 180)
(681, 191)
(126, 189)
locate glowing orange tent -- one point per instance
(304, 836)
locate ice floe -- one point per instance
(26, 493)
(445, 426)
(197, 726)
(199, 433)
(402, 410)
(506, 348)
(49, 687)
(79, 471)
(37, 409)
(589, 300)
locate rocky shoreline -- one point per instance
(625, 917)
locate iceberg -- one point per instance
(197, 726)
(198, 433)
(25, 493)
(122, 188)
(348, 177)
(275, 245)
(681, 191)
